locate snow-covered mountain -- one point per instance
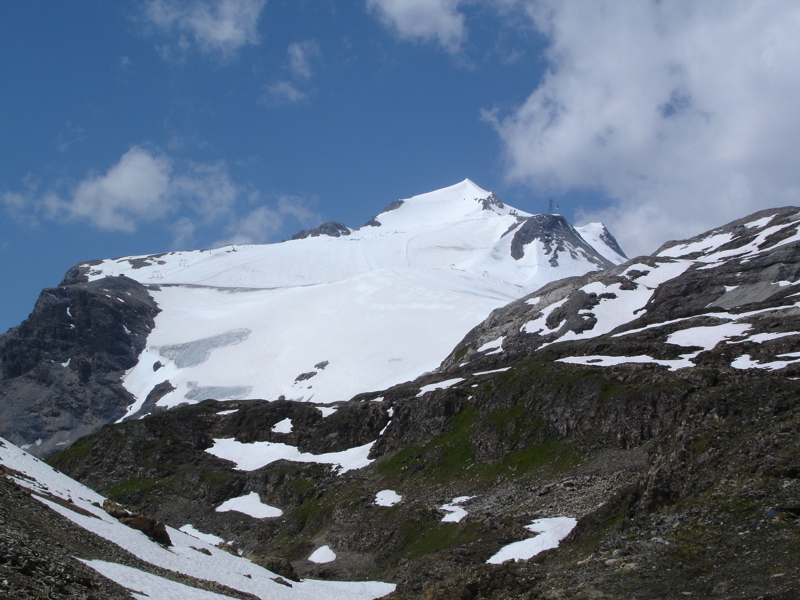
(727, 298)
(338, 312)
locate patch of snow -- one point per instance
(209, 538)
(66, 364)
(708, 243)
(326, 411)
(745, 362)
(250, 505)
(387, 498)
(249, 457)
(540, 322)
(533, 301)
(765, 337)
(496, 345)
(758, 223)
(146, 586)
(439, 386)
(490, 372)
(707, 337)
(284, 426)
(610, 361)
(322, 555)
(455, 513)
(551, 532)
(222, 413)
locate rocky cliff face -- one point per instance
(60, 370)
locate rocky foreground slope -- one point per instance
(657, 403)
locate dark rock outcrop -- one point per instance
(332, 229)
(61, 369)
(556, 236)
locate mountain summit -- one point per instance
(321, 318)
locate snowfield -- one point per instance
(377, 307)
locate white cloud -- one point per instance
(213, 26)
(683, 113)
(301, 59)
(425, 20)
(284, 92)
(146, 187)
(263, 223)
(302, 56)
(207, 189)
(134, 190)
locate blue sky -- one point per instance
(144, 126)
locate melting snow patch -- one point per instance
(551, 532)
(439, 386)
(387, 498)
(284, 426)
(326, 411)
(710, 243)
(322, 555)
(533, 301)
(206, 537)
(222, 413)
(455, 513)
(249, 457)
(765, 337)
(495, 345)
(539, 323)
(609, 361)
(143, 585)
(707, 337)
(250, 505)
(490, 372)
(745, 362)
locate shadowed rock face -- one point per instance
(332, 229)
(557, 236)
(61, 369)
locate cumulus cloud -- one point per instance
(283, 92)
(148, 188)
(302, 56)
(424, 20)
(262, 223)
(682, 113)
(134, 190)
(212, 26)
(301, 60)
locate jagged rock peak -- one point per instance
(332, 229)
(556, 236)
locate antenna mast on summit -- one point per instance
(552, 204)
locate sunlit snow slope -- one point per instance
(324, 318)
